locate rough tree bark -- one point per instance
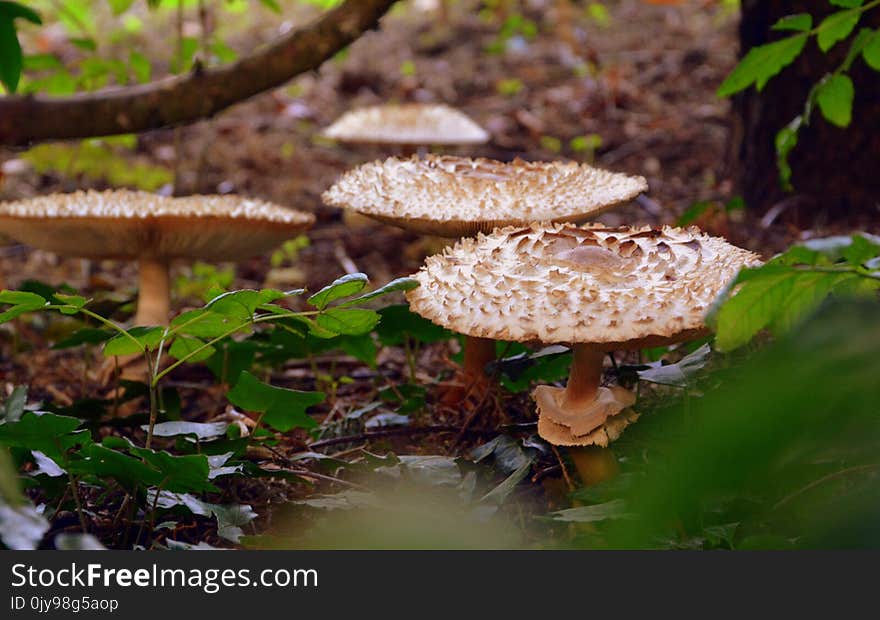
(834, 170)
(200, 94)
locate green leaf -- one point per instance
(183, 58)
(184, 346)
(10, 48)
(282, 409)
(86, 44)
(241, 305)
(786, 141)
(360, 347)
(14, 10)
(779, 294)
(42, 62)
(179, 474)
(203, 323)
(847, 4)
(231, 359)
(23, 302)
(105, 462)
(140, 67)
(17, 298)
(10, 55)
(144, 339)
(120, 6)
(47, 432)
(76, 303)
(345, 286)
(87, 335)
(835, 98)
(762, 63)
(871, 51)
(400, 284)
(272, 5)
(856, 49)
(348, 321)
(855, 249)
(399, 322)
(837, 27)
(16, 311)
(800, 22)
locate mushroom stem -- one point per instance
(584, 377)
(594, 464)
(478, 352)
(154, 296)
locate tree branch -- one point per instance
(182, 99)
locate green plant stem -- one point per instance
(158, 377)
(265, 318)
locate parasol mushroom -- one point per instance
(151, 229)
(595, 288)
(407, 125)
(456, 196)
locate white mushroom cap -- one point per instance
(137, 225)
(407, 124)
(456, 196)
(614, 288)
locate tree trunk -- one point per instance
(834, 170)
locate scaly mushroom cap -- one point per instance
(407, 124)
(137, 225)
(614, 288)
(458, 196)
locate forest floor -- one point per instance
(644, 83)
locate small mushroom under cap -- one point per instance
(417, 124)
(152, 229)
(596, 288)
(456, 196)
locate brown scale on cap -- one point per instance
(598, 289)
(456, 196)
(417, 124)
(151, 229)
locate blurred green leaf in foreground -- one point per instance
(784, 454)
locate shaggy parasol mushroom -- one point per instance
(407, 125)
(596, 288)
(456, 196)
(151, 229)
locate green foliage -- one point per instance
(10, 48)
(779, 294)
(61, 444)
(289, 251)
(282, 409)
(834, 93)
(780, 454)
(762, 63)
(835, 98)
(515, 25)
(99, 160)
